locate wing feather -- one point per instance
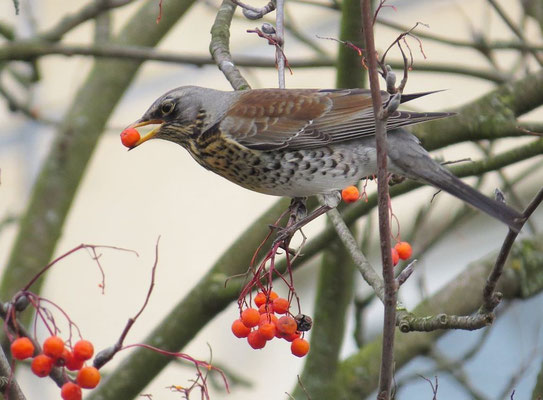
(270, 119)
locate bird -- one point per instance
(302, 142)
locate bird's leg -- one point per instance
(297, 210)
(299, 218)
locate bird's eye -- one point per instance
(167, 107)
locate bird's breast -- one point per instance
(290, 173)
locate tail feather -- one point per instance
(445, 180)
(415, 162)
(412, 96)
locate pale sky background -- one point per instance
(128, 199)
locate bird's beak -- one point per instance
(149, 135)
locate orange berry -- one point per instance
(88, 377)
(350, 194)
(70, 362)
(273, 296)
(404, 250)
(265, 308)
(42, 365)
(267, 317)
(287, 325)
(71, 391)
(267, 330)
(239, 329)
(280, 305)
(83, 350)
(129, 137)
(260, 299)
(290, 337)
(22, 348)
(53, 347)
(256, 340)
(299, 347)
(395, 256)
(250, 317)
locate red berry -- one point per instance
(42, 365)
(404, 250)
(22, 348)
(265, 308)
(273, 295)
(71, 391)
(267, 330)
(260, 299)
(239, 329)
(299, 347)
(256, 340)
(250, 317)
(53, 347)
(350, 194)
(70, 362)
(291, 336)
(287, 325)
(83, 350)
(88, 377)
(280, 305)
(268, 317)
(129, 137)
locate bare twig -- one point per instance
(106, 355)
(90, 11)
(280, 31)
(513, 28)
(255, 12)
(365, 268)
(481, 46)
(389, 326)
(491, 297)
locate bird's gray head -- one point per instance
(180, 113)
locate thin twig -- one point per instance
(491, 297)
(389, 325)
(366, 270)
(106, 355)
(513, 28)
(251, 12)
(280, 31)
(90, 11)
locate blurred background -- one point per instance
(130, 199)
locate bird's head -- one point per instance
(175, 114)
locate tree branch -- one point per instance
(220, 46)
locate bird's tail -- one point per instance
(417, 163)
(443, 179)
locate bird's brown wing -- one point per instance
(300, 119)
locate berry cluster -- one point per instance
(55, 353)
(402, 250)
(270, 320)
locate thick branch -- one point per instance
(220, 46)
